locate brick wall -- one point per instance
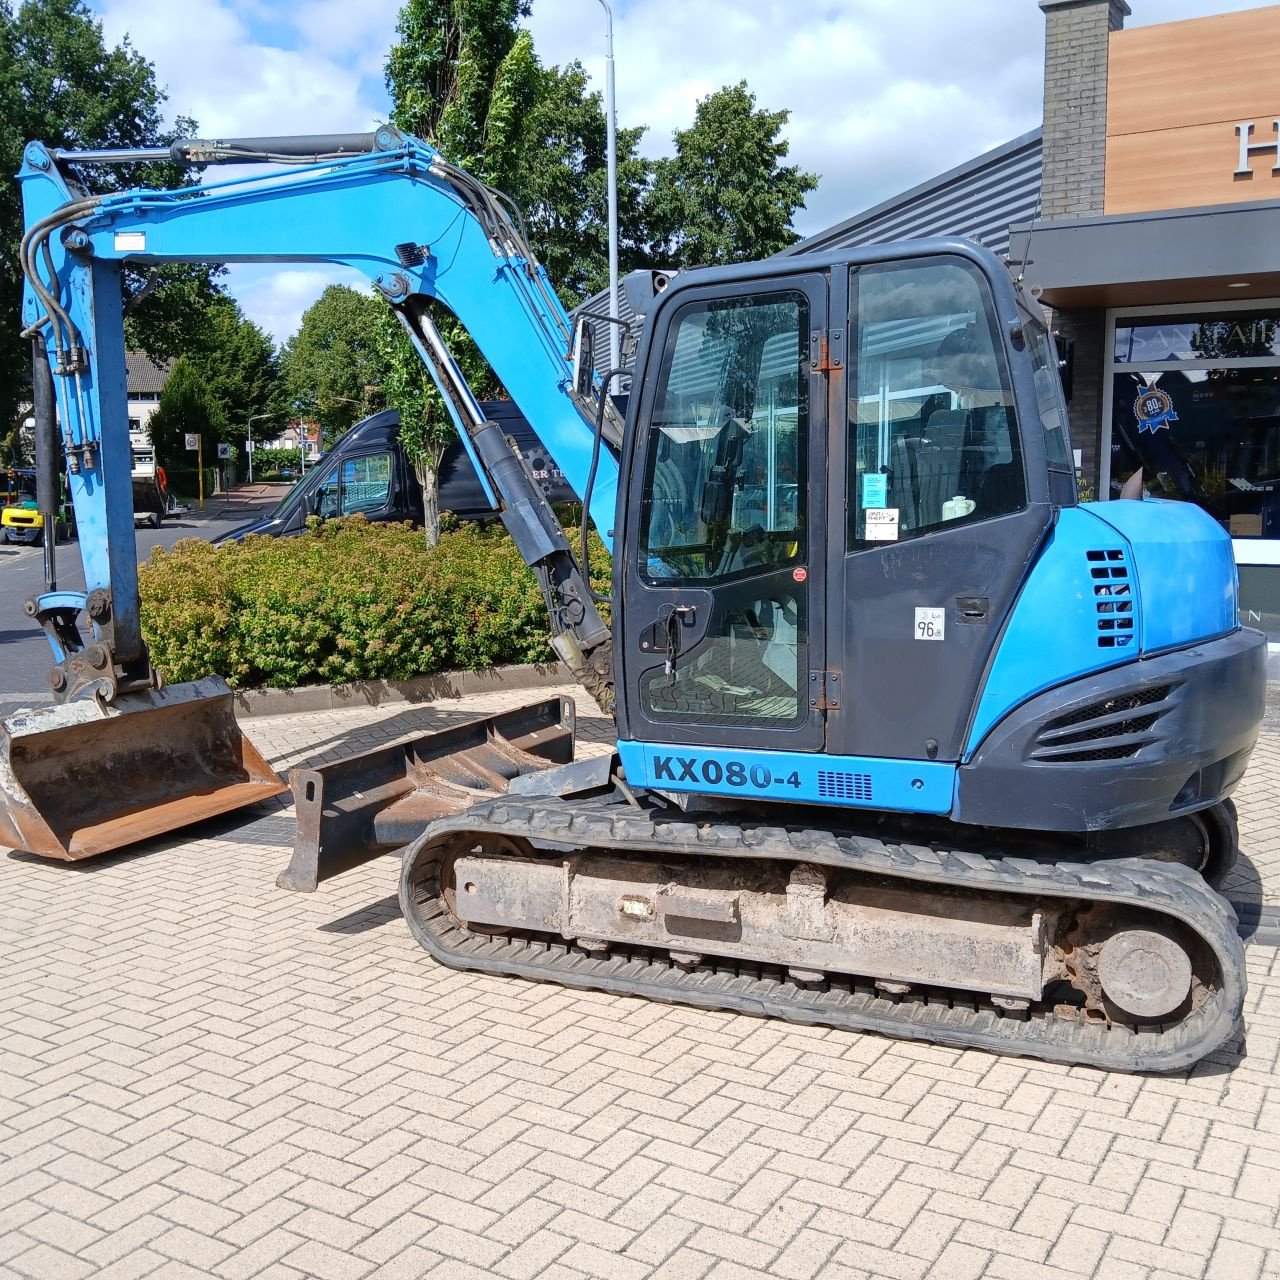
(1086, 329)
(1075, 103)
(1074, 159)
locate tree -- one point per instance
(560, 181)
(464, 77)
(166, 311)
(450, 71)
(725, 196)
(186, 406)
(239, 363)
(61, 85)
(333, 366)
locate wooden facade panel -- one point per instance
(1185, 169)
(1178, 74)
(1175, 94)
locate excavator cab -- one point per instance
(812, 441)
(857, 575)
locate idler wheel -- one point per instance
(1143, 973)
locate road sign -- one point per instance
(193, 440)
(224, 451)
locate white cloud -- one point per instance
(215, 70)
(276, 297)
(882, 95)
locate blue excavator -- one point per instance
(909, 739)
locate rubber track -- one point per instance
(960, 1019)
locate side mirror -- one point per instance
(583, 357)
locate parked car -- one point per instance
(368, 472)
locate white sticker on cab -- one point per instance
(931, 624)
(882, 524)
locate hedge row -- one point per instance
(347, 600)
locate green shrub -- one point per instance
(269, 464)
(347, 600)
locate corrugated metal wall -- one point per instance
(979, 199)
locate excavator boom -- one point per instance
(139, 758)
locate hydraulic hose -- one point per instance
(605, 384)
(47, 485)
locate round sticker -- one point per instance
(1154, 410)
(800, 574)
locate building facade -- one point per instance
(144, 380)
(1143, 215)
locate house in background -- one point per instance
(298, 435)
(144, 380)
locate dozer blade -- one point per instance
(78, 779)
(356, 809)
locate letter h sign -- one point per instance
(1244, 131)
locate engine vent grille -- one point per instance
(1112, 598)
(844, 786)
(1114, 729)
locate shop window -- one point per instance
(1195, 402)
(933, 432)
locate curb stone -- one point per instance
(373, 693)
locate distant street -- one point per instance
(25, 655)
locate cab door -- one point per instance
(943, 484)
(722, 626)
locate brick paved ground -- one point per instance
(201, 1075)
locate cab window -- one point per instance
(725, 473)
(933, 435)
(724, 509)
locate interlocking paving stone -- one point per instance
(203, 1075)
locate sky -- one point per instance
(883, 94)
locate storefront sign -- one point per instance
(1191, 112)
(1244, 131)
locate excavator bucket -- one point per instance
(356, 809)
(81, 779)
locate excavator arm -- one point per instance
(384, 204)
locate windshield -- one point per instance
(18, 485)
(287, 501)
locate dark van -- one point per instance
(367, 472)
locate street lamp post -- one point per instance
(611, 134)
(257, 417)
(302, 449)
